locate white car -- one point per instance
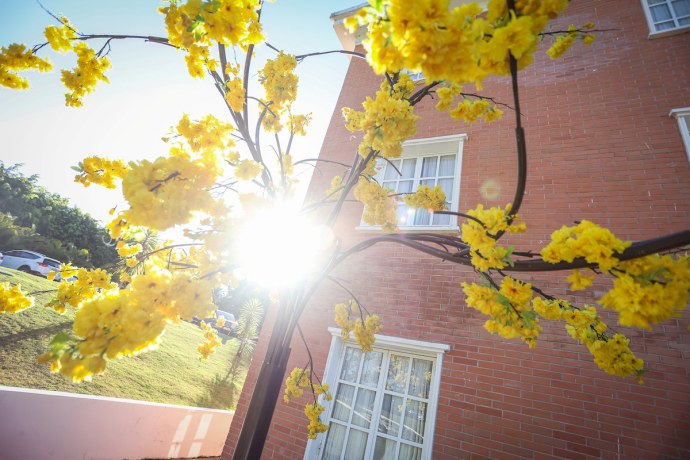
(29, 262)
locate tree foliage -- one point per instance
(38, 220)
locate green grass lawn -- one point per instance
(171, 374)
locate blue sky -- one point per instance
(149, 88)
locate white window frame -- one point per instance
(414, 76)
(427, 350)
(653, 33)
(682, 116)
(420, 148)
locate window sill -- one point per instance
(668, 33)
(411, 229)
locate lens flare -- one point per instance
(490, 189)
(279, 247)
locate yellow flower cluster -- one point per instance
(206, 135)
(235, 94)
(195, 24)
(313, 412)
(12, 299)
(379, 207)
(230, 22)
(166, 192)
(585, 240)
(16, 58)
(334, 190)
(363, 331)
(295, 384)
(88, 284)
(471, 110)
(550, 309)
(83, 79)
(649, 290)
(509, 307)
(612, 355)
(297, 381)
(122, 322)
(564, 42)
(60, 38)
(457, 45)
(248, 170)
(387, 121)
(279, 81)
(127, 250)
(211, 341)
(432, 199)
(578, 281)
(485, 253)
(298, 124)
(100, 171)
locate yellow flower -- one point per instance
(579, 282)
(248, 170)
(16, 58)
(235, 94)
(60, 38)
(432, 199)
(12, 299)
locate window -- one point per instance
(384, 401)
(683, 117)
(667, 16)
(435, 161)
(414, 76)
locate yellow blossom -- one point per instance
(12, 299)
(248, 170)
(579, 282)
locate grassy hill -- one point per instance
(171, 374)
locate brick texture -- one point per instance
(601, 147)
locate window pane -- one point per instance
(356, 445)
(415, 421)
(351, 364)
(654, 2)
(660, 13)
(405, 186)
(398, 370)
(391, 411)
(447, 186)
(371, 368)
(681, 7)
(343, 402)
(408, 167)
(684, 21)
(420, 381)
(441, 219)
(334, 442)
(665, 26)
(447, 166)
(364, 407)
(408, 452)
(429, 166)
(391, 173)
(384, 449)
(405, 215)
(422, 217)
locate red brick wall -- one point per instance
(601, 147)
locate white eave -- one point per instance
(348, 40)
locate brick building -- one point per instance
(608, 140)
